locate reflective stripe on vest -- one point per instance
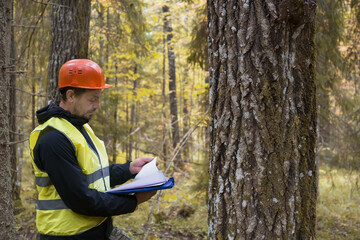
(91, 178)
(55, 204)
(53, 217)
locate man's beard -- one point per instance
(91, 115)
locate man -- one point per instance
(71, 165)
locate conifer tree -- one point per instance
(70, 37)
(263, 181)
(175, 132)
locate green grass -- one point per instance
(25, 209)
(338, 208)
(181, 212)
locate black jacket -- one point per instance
(55, 155)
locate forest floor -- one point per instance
(181, 212)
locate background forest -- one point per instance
(155, 55)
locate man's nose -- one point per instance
(97, 105)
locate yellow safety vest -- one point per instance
(53, 217)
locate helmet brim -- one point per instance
(107, 85)
(85, 87)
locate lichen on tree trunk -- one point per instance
(263, 120)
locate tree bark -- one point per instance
(263, 120)
(7, 215)
(172, 83)
(70, 32)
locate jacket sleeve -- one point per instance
(55, 155)
(120, 173)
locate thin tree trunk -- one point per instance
(186, 116)
(101, 38)
(115, 134)
(324, 118)
(33, 89)
(172, 83)
(21, 135)
(136, 123)
(12, 122)
(263, 120)
(163, 92)
(6, 213)
(70, 32)
(107, 33)
(132, 116)
(127, 124)
(116, 103)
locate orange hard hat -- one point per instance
(82, 73)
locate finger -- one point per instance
(146, 159)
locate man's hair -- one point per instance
(77, 92)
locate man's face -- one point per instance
(85, 104)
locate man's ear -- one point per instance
(70, 95)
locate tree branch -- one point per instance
(30, 93)
(50, 3)
(177, 149)
(12, 143)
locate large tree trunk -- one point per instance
(70, 32)
(263, 120)
(172, 83)
(6, 213)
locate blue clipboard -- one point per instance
(169, 184)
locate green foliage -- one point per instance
(198, 53)
(338, 96)
(24, 211)
(32, 39)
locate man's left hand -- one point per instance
(136, 165)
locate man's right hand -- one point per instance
(144, 196)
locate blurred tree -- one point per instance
(329, 34)
(119, 44)
(263, 120)
(337, 70)
(165, 141)
(175, 132)
(132, 117)
(185, 113)
(198, 52)
(12, 118)
(7, 212)
(70, 37)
